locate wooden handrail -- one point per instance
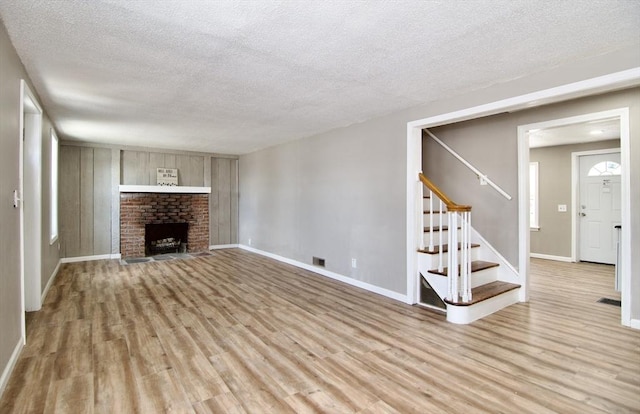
(451, 206)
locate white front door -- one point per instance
(599, 207)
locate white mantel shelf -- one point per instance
(179, 189)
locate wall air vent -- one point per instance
(318, 261)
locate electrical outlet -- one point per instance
(249, 241)
(562, 208)
(354, 263)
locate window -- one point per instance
(53, 189)
(604, 168)
(533, 196)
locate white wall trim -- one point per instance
(353, 282)
(601, 84)
(51, 280)
(180, 189)
(223, 246)
(551, 257)
(8, 369)
(634, 323)
(90, 258)
(31, 273)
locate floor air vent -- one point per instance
(608, 301)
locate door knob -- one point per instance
(582, 214)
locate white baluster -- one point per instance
(440, 223)
(420, 205)
(469, 248)
(430, 220)
(453, 256)
(464, 265)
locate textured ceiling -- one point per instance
(237, 76)
(591, 131)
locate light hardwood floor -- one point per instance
(236, 332)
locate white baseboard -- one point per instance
(353, 282)
(551, 257)
(8, 369)
(50, 282)
(223, 246)
(634, 323)
(90, 258)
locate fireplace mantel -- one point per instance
(178, 189)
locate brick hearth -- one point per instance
(138, 209)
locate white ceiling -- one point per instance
(591, 131)
(233, 76)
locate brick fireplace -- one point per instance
(139, 209)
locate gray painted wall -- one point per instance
(335, 196)
(11, 72)
(89, 180)
(554, 236)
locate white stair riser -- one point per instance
(468, 314)
(431, 260)
(479, 278)
(436, 236)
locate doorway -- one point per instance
(621, 118)
(30, 187)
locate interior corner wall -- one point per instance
(11, 72)
(554, 236)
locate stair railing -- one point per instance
(484, 179)
(458, 216)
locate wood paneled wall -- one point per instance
(85, 201)
(223, 204)
(139, 167)
(87, 204)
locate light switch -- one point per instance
(562, 208)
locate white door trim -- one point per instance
(31, 125)
(575, 181)
(618, 80)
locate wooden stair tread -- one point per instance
(433, 212)
(476, 266)
(487, 291)
(445, 248)
(438, 228)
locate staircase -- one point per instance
(468, 282)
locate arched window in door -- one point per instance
(605, 168)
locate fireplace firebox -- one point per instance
(165, 238)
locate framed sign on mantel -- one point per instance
(167, 176)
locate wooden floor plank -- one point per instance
(236, 332)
